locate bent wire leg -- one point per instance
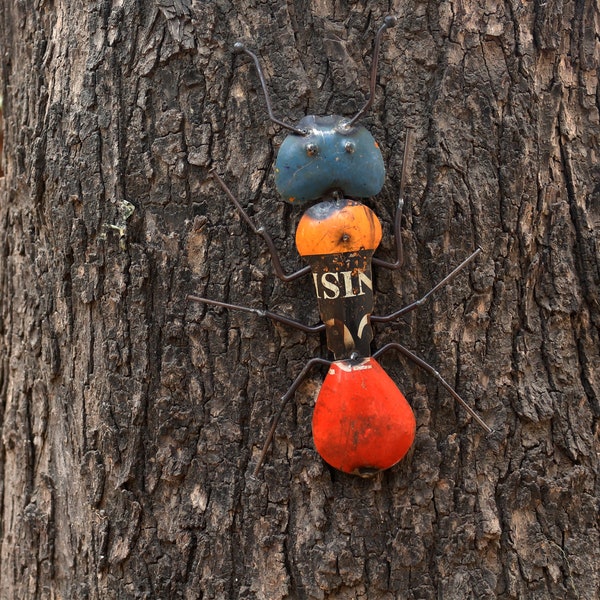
(427, 367)
(406, 161)
(284, 400)
(261, 313)
(421, 301)
(292, 389)
(311, 363)
(260, 231)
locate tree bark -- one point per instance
(131, 420)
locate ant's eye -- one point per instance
(311, 149)
(349, 147)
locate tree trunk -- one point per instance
(132, 419)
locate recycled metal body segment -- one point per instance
(331, 156)
(362, 422)
(337, 238)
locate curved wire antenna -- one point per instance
(240, 47)
(389, 22)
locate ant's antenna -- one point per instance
(390, 21)
(240, 47)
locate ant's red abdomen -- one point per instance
(362, 422)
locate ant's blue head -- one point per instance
(327, 154)
(331, 156)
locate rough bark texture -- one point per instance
(131, 420)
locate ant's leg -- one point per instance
(427, 367)
(284, 400)
(406, 160)
(261, 313)
(421, 301)
(311, 363)
(265, 236)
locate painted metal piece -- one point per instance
(337, 238)
(362, 423)
(330, 156)
(344, 288)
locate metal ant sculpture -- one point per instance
(362, 423)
